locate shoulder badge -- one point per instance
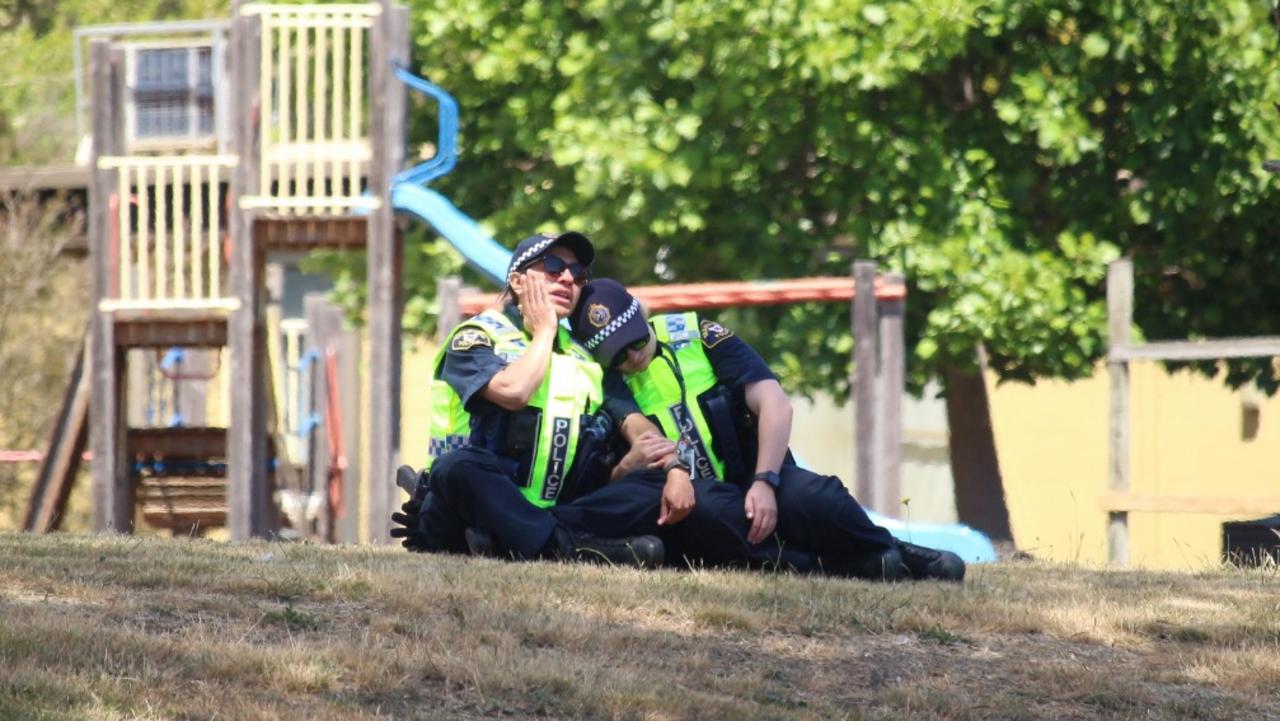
(713, 333)
(597, 315)
(469, 338)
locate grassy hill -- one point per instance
(131, 628)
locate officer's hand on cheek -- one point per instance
(762, 510)
(677, 498)
(536, 308)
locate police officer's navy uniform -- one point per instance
(694, 389)
(519, 475)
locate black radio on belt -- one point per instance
(521, 439)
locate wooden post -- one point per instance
(349, 381)
(447, 292)
(324, 331)
(248, 489)
(390, 44)
(865, 354)
(112, 497)
(889, 389)
(1119, 324)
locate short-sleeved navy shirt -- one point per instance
(470, 363)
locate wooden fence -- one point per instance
(1119, 501)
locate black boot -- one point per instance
(638, 551)
(924, 563)
(480, 542)
(883, 565)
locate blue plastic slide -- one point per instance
(480, 250)
(973, 546)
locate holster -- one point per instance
(592, 461)
(719, 410)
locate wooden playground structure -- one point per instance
(180, 244)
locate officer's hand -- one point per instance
(536, 308)
(407, 527)
(647, 451)
(762, 511)
(677, 498)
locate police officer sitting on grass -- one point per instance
(723, 409)
(518, 434)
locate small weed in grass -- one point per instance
(293, 619)
(942, 636)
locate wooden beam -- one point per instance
(1114, 502)
(249, 502)
(66, 444)
(324, 330)
(1187, 350)
(447, 292)
(1119, 324)
(292, 233)
(389, 44)
(865, 354)
(890, 384)
(112, 504)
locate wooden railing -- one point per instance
(315, 135)
(1119, 501)
(166, 226)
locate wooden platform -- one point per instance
(168, 327)
(205, 443)
(303, 233)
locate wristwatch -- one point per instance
(676, 464)
(771, 477)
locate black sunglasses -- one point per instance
(621, 356)
(554, 265)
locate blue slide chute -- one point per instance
(971, 545)
(408, 194)
(476, 246)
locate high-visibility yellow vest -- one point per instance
(571, 387)
(658, 391)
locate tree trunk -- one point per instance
(975, 467)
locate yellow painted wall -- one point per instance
(415, 373)
(1188, 438)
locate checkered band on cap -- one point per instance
(595, 340)
(534, 251)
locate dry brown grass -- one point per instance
(116, 628)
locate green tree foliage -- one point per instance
(997, 152)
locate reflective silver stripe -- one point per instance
(536, 249)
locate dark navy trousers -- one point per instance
(817, 518)
(470, 487)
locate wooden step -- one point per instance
(183, 504)
(188, 442)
